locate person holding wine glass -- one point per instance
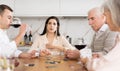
(9, 48)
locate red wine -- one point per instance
(79, 47)
(15, 25)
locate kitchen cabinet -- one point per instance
(78, 7)
(37, 8)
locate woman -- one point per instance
(51, 40)
(111, 61)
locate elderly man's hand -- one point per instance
(72, 54)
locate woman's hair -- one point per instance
(3, 7)
(113, 6)
(58, 25)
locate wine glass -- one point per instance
(55, 52)
(80, 44)
(6, 64)
(16, 23)
(79, 47)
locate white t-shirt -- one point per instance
(7, 48)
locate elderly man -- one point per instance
(103, 40)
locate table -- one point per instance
(49, 63)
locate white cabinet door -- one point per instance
(78, 7)
(36, 7)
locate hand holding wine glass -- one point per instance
(22, 29)
(17, 23)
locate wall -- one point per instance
(75, 27)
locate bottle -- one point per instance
(30, 38)
(69, 39)
(25, 38)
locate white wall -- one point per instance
(75, 27)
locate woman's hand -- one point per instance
(33, 53)
(44, 52)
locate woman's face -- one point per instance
(109, 21)
(52, 26)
